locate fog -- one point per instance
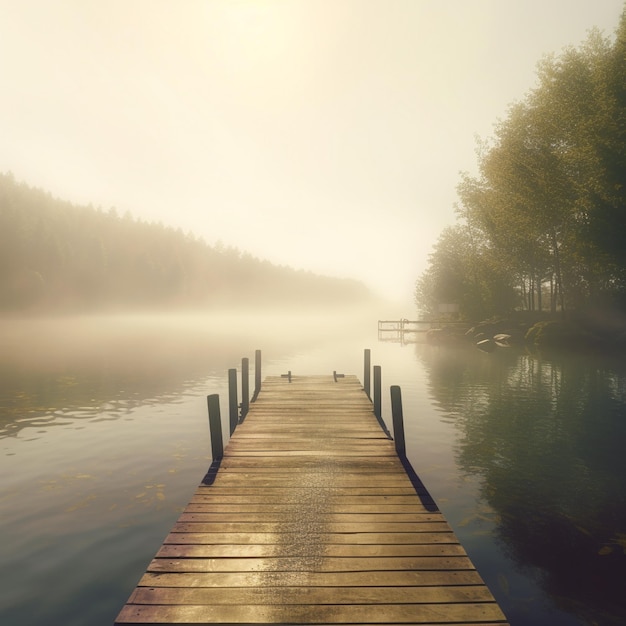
(168, 341)
(327, 136)
(108, 364)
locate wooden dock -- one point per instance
(311, 518)
(405, 331)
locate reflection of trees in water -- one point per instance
(548, 439)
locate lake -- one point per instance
(104, 437)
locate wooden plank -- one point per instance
(274, 613)
(312, 595)
(339, 492)
(269, 550)
(241, 479)
(311, 519)
(372, 464)
(310, 564)
(348, 518)
(238, 504)
(256, 498)
(425, 534)
(424, 578)
(354, 538)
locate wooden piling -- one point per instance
(257, 374)
(377, 393)
(215, 426)
(233, 407)
(398, 420)
(367, 372)
(245, 387)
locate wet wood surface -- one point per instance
(311, 519)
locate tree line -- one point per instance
(57, 256)
(542, 226)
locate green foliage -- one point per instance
(55, 256)
(462, 273)
(547, 212)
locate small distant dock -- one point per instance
(405, 330)
(311, 517)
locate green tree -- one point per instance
(548, 206)
(462, 272)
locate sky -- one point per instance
(327, 135)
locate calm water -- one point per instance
(104, 437)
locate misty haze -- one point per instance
(184, 184)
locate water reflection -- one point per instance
(101, 368)
(547, 437)
(101, 390)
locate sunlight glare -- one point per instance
(252, 32)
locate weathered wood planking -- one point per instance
(311, 519)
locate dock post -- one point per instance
(367, 372)
(377, 393)
(398, 420)
(232, 399)
(215, 426)
(245, 387)
(257, 374)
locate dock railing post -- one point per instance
(233, 407)
(257, 374)
(245, 387)
(367, 371)
(215, 426)
(398, 420)
(377, 393)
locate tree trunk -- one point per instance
(557, 267)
